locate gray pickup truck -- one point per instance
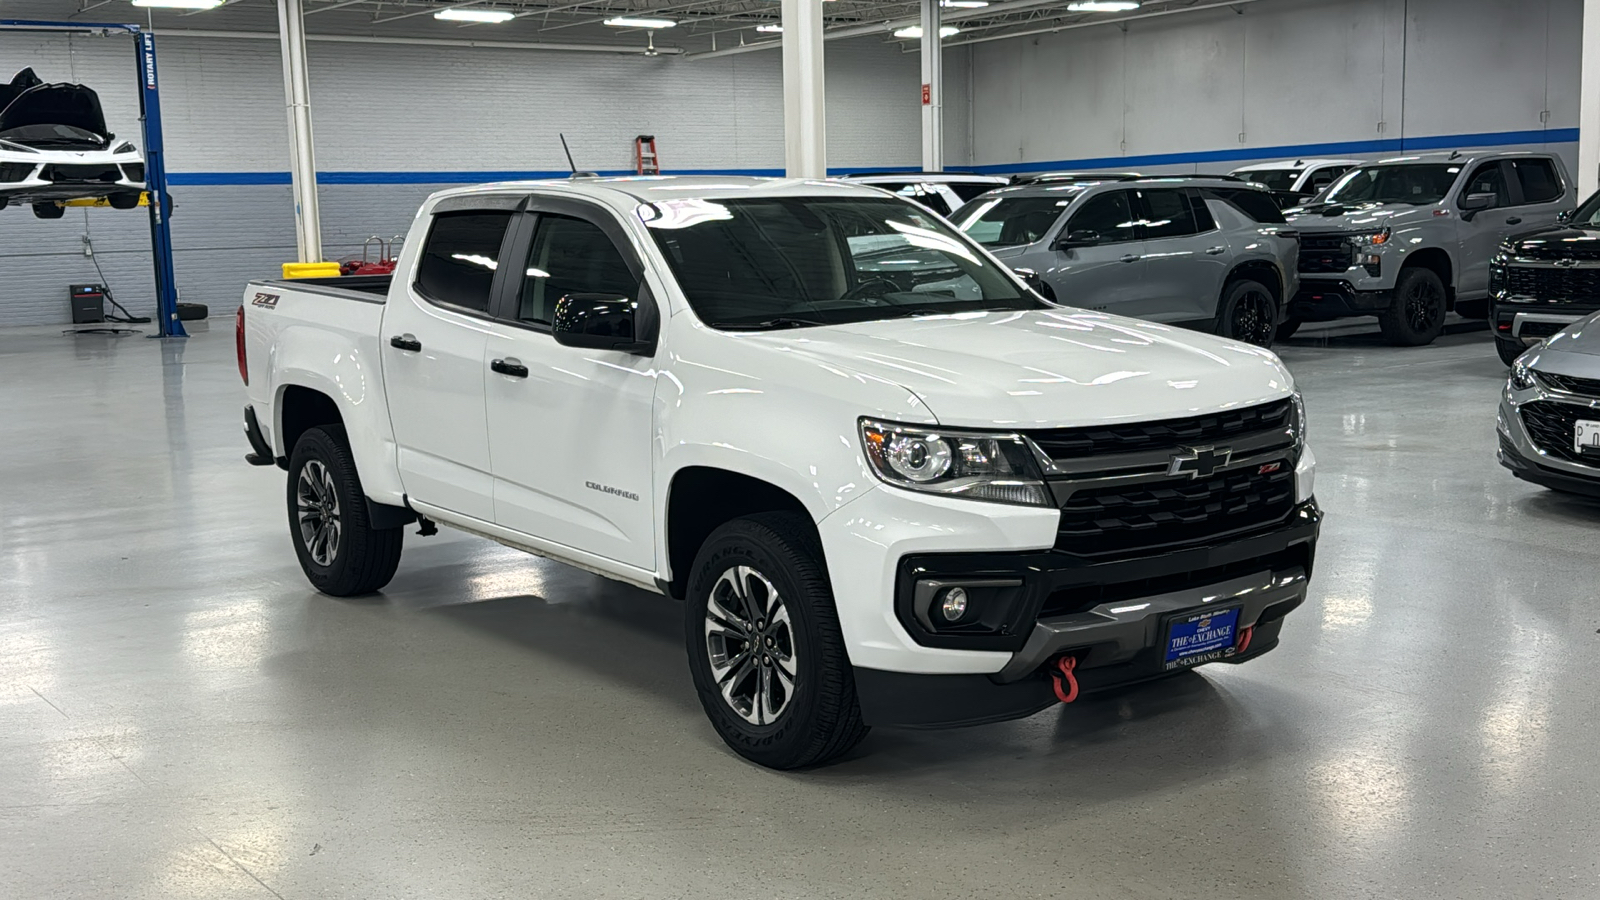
(1409, 239)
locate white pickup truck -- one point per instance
(890, 484)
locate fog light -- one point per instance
(953, 605)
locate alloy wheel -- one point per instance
(1253, 319)
(318, 506)
(750, 642)
(1422, 308)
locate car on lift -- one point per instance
(1544, 280)
(1293, 182)
(1549, 418)
(1201, 252)
(890, 483)
(1410, 239)
(942, 192)
(54, 146)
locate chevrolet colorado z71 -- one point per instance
(890, 483)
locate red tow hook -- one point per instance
(1245, 634)
(1062, 679)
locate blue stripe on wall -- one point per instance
(1393, 145)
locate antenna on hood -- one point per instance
(572, 165)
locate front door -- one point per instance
(571, 427)
(1099, 258)
(1185, 255)
(432, 350)
(1479, 237)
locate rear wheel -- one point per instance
(765, 648)
(1509, 350)
(1416, 317)
(1247, 312)
(339, 550)
(49, 210)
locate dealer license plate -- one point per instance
(1586, 435)
(1202, 637)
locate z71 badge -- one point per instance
(270, 301)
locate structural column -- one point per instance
(1589, 103)
(933, 88)
(302, 157)
(805, 141)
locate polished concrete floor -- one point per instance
(181, 716)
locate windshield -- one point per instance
(1415, 184)
(784, 262)
(1010, 221)
(1274, 179)
(44, 136)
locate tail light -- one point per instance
(238, 345)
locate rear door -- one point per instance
(1185, 255)
(1098, 257)
(432, 349)
(1541, 193)
(571, 427)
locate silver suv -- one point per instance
(1207, 253)
(1409, 239)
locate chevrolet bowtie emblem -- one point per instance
(1199, 462)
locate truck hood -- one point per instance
(1355, 216)
(1557, 242)
(1047, 368)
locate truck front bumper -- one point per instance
(1112, 616)
(1322, 300)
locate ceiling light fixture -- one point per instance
(963, 4)
(178, 4)
(490, 16)
(1103, 5)
(631, 22)
(915, 32)
(770, 29)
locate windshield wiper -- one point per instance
(773, 324)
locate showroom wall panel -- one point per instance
(1281, 73)
(387, 116)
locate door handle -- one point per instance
(510, 366)
(1216, 251)
(1131, 258)
(406, 342)
(1514, 220)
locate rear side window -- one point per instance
(968, 192)
(1169, 215)
(460, 257)
(1540, 184)
(1257, 205)
(570, 256)
(1323, 177)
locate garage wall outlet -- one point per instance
(88, 246)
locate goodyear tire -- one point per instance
(339, 550)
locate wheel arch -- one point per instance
(1439, 261)
(700, 498)
(1261, 270)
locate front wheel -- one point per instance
(1416, 317)
(1247, 312)
(339, 550)
(765, 649)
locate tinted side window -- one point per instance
(460, 256)
(1109, 216)
(1168, 214)
(1488, 179)
(1324, 177)
(968, 192)
(1257, 205)
(1540, 184)
(570, 256)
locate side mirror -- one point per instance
(1565, 216)
(1081, 238)
(1039, 285)
(604, 322)
(1475, 202)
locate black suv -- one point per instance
(1542, 281)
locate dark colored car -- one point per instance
(1542, 281)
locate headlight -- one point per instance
(1299, 419)
(1521, 378)
(125, 148)
(1370, 239)
(996, 467)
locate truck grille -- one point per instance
(1551, 426)
(1325, 254)
(1576, 285)
(1584, 387)
(1120, 499)
(1075, 443)
(82, 174)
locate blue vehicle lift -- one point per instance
(155, 162)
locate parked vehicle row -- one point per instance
(890, 483)
(54, 146)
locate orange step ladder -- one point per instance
(644, 155)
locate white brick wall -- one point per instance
(399, 108)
